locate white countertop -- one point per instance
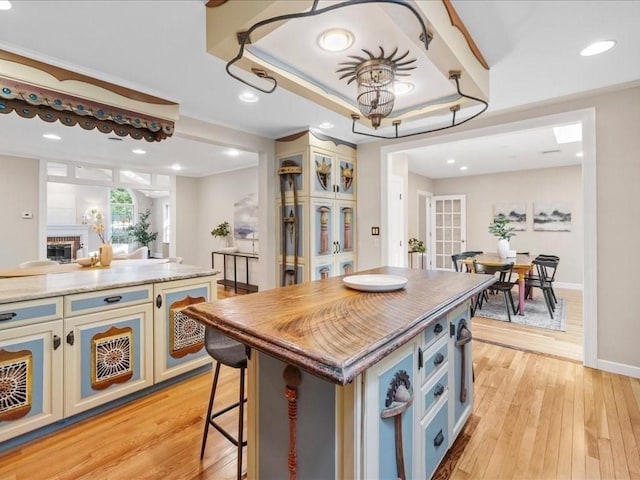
(89, 279)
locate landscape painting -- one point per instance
(515, 212)
(551, 217)
(245, 218)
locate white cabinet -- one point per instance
(415, 406)
(30, 368)
(61, 356)
(107, 355)
(178, 339)
(316, 227)
(332, 238)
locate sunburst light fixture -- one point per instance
(375, 74)
(375, 77)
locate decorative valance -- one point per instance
(29, 88)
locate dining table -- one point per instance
(522, 265)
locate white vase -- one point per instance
(503, 248)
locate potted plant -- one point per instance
(416, 245)
(501, 229)
(223, 231)
(141, 231)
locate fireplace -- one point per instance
(64, 241)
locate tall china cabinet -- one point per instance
(316, 211)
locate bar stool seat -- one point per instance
(228, 352)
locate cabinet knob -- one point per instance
(439, 439)
(439, 390)
(439, 359)
(56, 342)
(159, 301)
(438, 328)
(71, 338)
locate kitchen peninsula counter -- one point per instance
(89, 279)
(94, 338)
(344, 384)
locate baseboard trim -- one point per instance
(619, 368)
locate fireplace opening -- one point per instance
(63, 249)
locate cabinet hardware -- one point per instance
(420, 358)
(56, 342)
(439, 439)
(439, 359)
(7, 316)
(159, 301)
(439, 390)
(452, 329)
(438, 328)
(71, 338)
(339, 248)
(113, 299)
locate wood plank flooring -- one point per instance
(567, 344)
(535, 417)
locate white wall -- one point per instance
(416, 183)
(19, 192)
(530, 186)
(187, 220)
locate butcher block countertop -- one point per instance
(90, 279)
(335, 332)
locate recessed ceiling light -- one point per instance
(52, 136)
(568, 133)
(464, 168)
(232, 152)
(139, 151)
(248, 97)
(579, 154)
(451, 160)
(5, 5)
(326, 125)
(400, 88)
(335, 40)
(597, 48)
(176, 167)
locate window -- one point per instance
(122, 214)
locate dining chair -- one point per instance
(546, 272)
(504, 284)
(456, 258)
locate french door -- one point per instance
(448, 214)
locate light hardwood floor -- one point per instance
(568, 344)
(535, 417)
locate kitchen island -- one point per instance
(380, 381)
(72, 342)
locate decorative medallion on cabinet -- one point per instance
(317, 182)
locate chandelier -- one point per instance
(374, 75)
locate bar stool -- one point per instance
(229, 352)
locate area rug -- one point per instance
(535, 312)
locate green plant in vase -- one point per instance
(501, 229)
(141, 231)
(223, 231)
(416, 245)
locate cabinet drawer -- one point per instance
(435, 331)
(436, 440)
(19, 314)
(102, 300)
(434, 391)
(435, 360)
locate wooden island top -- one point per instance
(333, 331)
